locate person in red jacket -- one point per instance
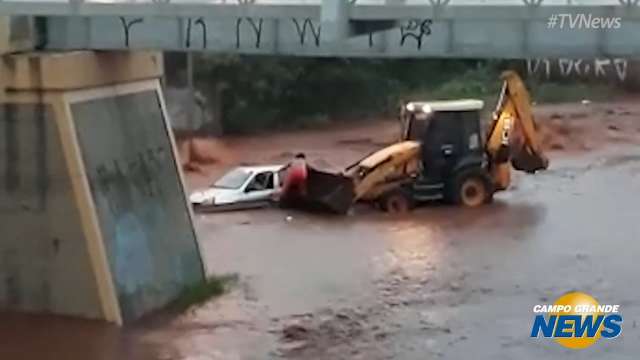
(295, 181)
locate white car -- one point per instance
(244, 185)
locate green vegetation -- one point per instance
(276, 93)
(201, 292)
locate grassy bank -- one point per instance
(197, 294)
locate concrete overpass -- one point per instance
(360, 28)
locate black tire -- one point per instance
(471, 188)
(396, 201)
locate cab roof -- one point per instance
(446, 105)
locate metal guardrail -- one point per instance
(355, 2)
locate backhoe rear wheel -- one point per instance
(396, 201)
(471, 189)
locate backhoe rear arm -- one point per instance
(512, 136)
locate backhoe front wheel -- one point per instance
(471, 189)
(397, 201)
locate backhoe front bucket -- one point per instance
(526, 160)
(325, 192)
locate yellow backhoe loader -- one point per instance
(442, 155)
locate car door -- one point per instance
(260, 187)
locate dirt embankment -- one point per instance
(574, 127)
(584, 127)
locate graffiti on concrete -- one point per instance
(255, 25)
(417, 30)
(126, 27)
(597, 68)
(196, 32)
(130, 188)
(133, 264)
(125, 178)
(302, 30)
(203, 31)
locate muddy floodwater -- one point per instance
(442, 282)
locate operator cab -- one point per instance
(451, 142)
(418, 115)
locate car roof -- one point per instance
(451, 105)
(260, 168)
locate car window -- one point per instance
(268, 184)
(262, 181)
(233, 179)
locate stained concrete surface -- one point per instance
(43, 253)
(149, 237)
(441, 283)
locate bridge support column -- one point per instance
(334, 16)
(94, 217)
(17, 33)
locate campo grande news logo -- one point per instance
(576, 321)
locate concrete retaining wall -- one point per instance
(44, 261)
(144, 219)
(611, 70)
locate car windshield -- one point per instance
(233, 179)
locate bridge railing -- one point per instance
(466, 28)
(311, 9)
(354, 2)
